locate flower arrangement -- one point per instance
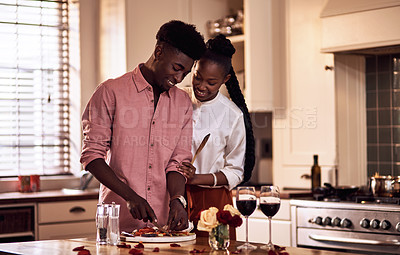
(217, 223)
(212, 217)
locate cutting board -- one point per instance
(159, 239)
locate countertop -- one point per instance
(287, 193)
(55, 247)
(76, 194)
(48, 196)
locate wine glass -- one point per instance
(246, 202)
(270, 203)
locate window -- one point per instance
(34, 87)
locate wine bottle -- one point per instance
(315, 174)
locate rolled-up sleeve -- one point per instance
(182, 151)
(235, 151)
(97, 126)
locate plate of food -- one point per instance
(153, 235)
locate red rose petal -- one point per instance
(197, 251)
(135, 251)
(123, 245)
(84, 252)
(79, 248)
(156, 249)
(139, 245)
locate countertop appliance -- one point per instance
(362, 224)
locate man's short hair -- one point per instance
(182, 36)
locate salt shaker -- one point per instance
(113, 224)
(102, 223)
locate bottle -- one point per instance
(315, 174)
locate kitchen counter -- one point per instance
(48, 196)
(72, 194)
(286, 193)
(55, 247)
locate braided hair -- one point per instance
(220, 51)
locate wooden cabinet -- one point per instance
(69, 219)
(259, 227)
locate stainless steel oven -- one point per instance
(346, 226)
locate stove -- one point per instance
(361, 224)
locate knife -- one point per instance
(161, 229)
(205, 139)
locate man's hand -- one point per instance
(140, 209)
(178, 218)
(138, 206)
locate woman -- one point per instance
(228, 157)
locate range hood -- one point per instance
(360, 24)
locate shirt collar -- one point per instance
(141, 83)
(216, 98)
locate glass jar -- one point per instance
(218, 238)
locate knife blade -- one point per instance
(161, 229)
(203, 143)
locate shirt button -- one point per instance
(148, 188)
(149, 166)
(154, 122)
(152, 145)
(152, 100)
(149, 88)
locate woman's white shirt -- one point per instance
(225, 149)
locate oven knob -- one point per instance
(336, 221)
(346, 223)
(385, 225)
(318, 220)
(327, 221)
(364, 223)
(375, 223)
(398, 227)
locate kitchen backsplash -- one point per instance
(383, 114)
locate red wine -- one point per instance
(246, 207)
(270, 209)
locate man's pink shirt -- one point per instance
(139, 143)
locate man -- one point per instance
(138, 129)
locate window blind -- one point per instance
(34, 87)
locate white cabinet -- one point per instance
(259, 227)
(305, 124)
(125, 41)
(67, 219)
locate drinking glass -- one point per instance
(246, 202)
(270, 203)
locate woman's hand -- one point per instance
(188, 170)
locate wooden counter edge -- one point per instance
(47, 196)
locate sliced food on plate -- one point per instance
(154, 235)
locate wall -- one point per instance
(89, 41)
